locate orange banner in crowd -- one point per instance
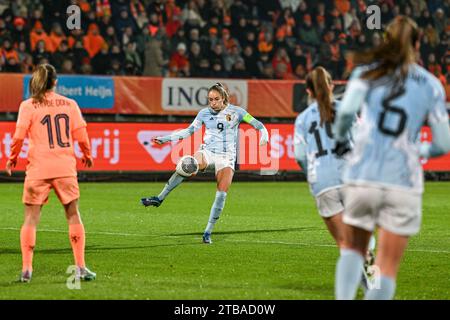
(128, 147)
(163, 96)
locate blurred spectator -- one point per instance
(115, 53)
(173, 13)
(300, 72)
(425, 19)
(123, 21)
(133, 62)
(37, 34)
(431, 33)
(86, 69)
(154, 60)
(62, 53)
(93, 41)
(154, 24)
(229, 43)
(268, 72)
(101, 60)
(115, 69)
(217, 54)
(213, 38)
(40, 52)
(191, 15)
(179, 37)
(111, 36)
(297, 57)
(27, 64)
(179, 61)
(307, 33)
(12, 65)
(67, 67)
(56, 36)
(81, 56)
(75, 35)
(195, 56)
(128, 35)
(8, 51)
(418, 6)
(432, 65)
(250, 61)
(203, 70)
(20, 32)
(238, 70)
(425, 49)
(138, 13)
(22, 51)
(231, 57)
(218, 70)
(265, 43)
(440, 21)
(281, 63)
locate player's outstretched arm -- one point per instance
(352, 101)
(441, 141)
(181, 134)
(440, 128)
(258, 126)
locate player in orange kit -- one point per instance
(51, 122)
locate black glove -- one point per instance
(342, 147)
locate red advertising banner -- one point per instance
(128, 147)
(11, 94)
(162, 96)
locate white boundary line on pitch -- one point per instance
(226, 240)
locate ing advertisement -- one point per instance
(128, 147)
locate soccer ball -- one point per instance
(187, 166)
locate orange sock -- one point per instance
(27, 243)
(77, 240)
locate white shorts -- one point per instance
(215, 161)
(397, 211)
(330, 203)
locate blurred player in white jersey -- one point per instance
(384, 178)
(318, 155)
(218, 152)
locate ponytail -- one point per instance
(222, 91)
(42, 80)
(397, 50)
(318, 82)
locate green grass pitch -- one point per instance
(269, 243)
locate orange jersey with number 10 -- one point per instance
(50, 126)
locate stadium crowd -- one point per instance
(279, 39)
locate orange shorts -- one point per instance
(36, 191)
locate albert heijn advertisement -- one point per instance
(89, 92)
(128, 147)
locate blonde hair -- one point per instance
(222, 91)
(318, 82)
(396, 50)
(42, 80)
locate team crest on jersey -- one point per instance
(228, 116)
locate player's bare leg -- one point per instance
(28, 240)
(336, 228)
(389, 254)
(77, 240)
(224, 179)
